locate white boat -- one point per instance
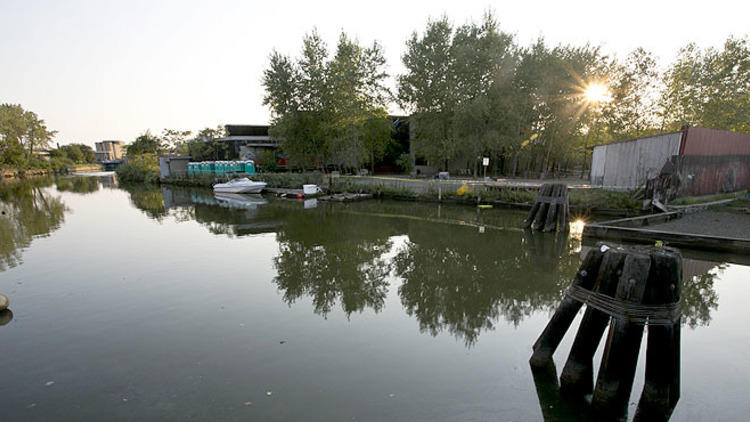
(243, 185)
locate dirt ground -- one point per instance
(713, 223)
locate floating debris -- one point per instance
(248, 403)
(49, 383)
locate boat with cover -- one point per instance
(243, 185)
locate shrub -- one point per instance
(142, 168)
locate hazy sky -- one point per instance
(111, 69)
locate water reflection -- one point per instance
(699, 296)
(77, 184)
(464, 282)
(147, 198)
(27, 211)
(333, 259)
(6, 316)
(458, 270)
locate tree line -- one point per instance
(24, 137)
(472, 91)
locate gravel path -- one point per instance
(713, 223)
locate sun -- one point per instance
(597, 92)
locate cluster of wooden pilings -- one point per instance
(550, 211)
(624, 288)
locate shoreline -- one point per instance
(584, 200)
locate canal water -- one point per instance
(160, 303)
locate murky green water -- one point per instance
(167, 303)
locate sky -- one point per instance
(97, 70)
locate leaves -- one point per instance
(329, 110)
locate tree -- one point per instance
(633, 110)
(709, 87)
(459, 86)
(329, 111)
(77, 153)
(21, 130)
(426, 90)
(204, 146)
(146, 143)
(173, 140)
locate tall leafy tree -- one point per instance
(426, 91)
(323, 107)
(146, 143)
(21, 133)
(634, 109)
(709, 87)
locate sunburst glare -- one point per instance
(597, 92)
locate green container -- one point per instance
(249, 167)
(191, 169)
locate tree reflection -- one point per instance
(77, 184)
(333, 258)
(698, 296)
(147, 198)
(464, 281)
(26, 211)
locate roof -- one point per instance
(638, 139)
(247, 130)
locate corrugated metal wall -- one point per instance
(703, 141)
(630, 163)
(708, 174)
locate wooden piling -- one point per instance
(550, 209)
(617, 369)
(558, 325)
(578, 372)
(629, 287)
(661, 389)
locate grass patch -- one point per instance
(691, 200)
(603, 199)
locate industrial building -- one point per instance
(250, 142)
(108, 150)
(700, 160)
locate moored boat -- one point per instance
(243, 185)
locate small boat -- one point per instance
(243, 185)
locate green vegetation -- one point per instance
(330, 110)
(602, 199)
(77, 184)
(691, 200)
(201, 147)
(142, 168)
(22, 133)
(29, 211)
(472, 91)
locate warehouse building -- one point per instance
(703, 161)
